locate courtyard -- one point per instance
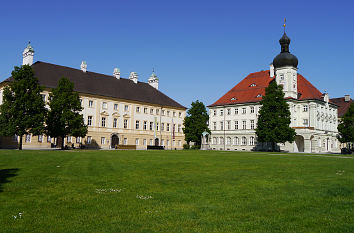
(175, 191)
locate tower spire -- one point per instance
(284, 25)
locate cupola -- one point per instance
(285, 58)
(28, 54)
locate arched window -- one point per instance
(244, 141)
(215, 141)
(228, 141)
(236, 141)
(251, 141)
(221, 141)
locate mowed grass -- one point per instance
(174, 191)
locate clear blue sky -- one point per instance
(199, 49)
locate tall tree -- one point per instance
(274, 117)
(64, 116)
(346, 126)
(23, 110)
(196, 122)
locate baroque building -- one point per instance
(233, 117)
(119, 112)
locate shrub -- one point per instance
(186, 146)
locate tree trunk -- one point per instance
(62, 142)
(20, 146)
(273, 146)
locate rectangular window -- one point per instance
(103, 122)
(137, 141)
(68, 139)
(162, 126)
(151, 142)
(214, 125)
(115, 123)
(151, 125)
(126, 108)
(174, 114)
(125, 124)
(157, 126)
(162, 112)
(243, 124)
(144, 142)
(137, 124)
(103, 140)
(81, 102)
(306, 122)
(252, 109)
(28, 138)
(145, 125)
(168, 113)
(179, 114)
(168, 127)
(89, 139)
(145, 110)
(89, 120)
(236, 111)
(221, 125)
(49, 139)
(214, 112)
(78, 140)
(151, 111)
(115, 107)
(179, 129)
(229, 111)
(243, 110)
(167, 142)
(221, 112)
(43, 97)
(40, 138)
(305, 108)
(236, 124)
(162, 142)
(228, 125)
(90, 104)
(157, 112)
(137, 109)
(125, 141)
(104, 105)
(252, 124)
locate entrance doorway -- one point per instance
(114, 141)
(156, 142)
(299, 144)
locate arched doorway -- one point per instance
(114, 141)
(299, 143)
(156, 142)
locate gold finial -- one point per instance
(284, 24)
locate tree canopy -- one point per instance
(274, 117)
(23, 109)
(346, 126)
(64, 116)
(196, 122)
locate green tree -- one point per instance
(64, 116)
(196, 122)
(23, 110)
(346, 126)
(274, 117)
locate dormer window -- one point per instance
(253, 85)
(233, 98)
(258, 96)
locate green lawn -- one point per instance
(174, 191)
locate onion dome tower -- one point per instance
(285, 65)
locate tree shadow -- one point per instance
(5, 174)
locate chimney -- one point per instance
(134, 77)
(271, 70)
(325, 97)
(83, 66)
(28, 54)
(347, 98)
(116, 73)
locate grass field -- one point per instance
(174, 191)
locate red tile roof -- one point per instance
(343, 105)
(252, 88)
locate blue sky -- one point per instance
(199, 49)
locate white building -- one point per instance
(233, 118)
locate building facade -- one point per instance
(119, 112)
(233, 118)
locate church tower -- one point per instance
(154, 80)
(285, 65)
(28, 54)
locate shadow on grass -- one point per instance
(5, 174)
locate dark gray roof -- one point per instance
(100, 84)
